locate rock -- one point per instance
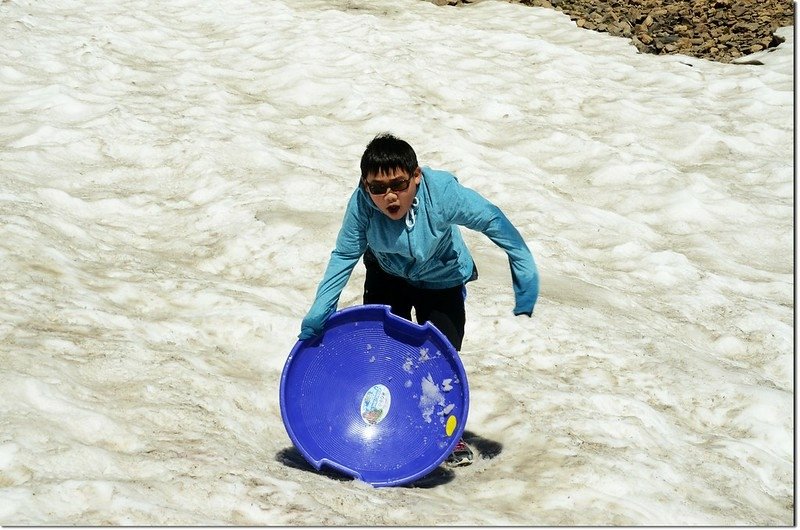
(718, 30)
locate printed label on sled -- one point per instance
(375, 405)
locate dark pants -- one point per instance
(444, 308)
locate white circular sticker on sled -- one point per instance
(376, 403)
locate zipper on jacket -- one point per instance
(411, 214)
(411, 220)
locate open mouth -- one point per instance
(393, 209)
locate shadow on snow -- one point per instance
(485, 449)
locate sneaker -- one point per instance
(461, 456)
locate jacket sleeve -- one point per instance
(470, 209)
(350, 246)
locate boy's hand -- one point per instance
(312, 327)
(307, 333)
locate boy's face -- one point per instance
(386, 190)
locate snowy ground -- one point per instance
(172, 176)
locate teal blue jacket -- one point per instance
(425, 248)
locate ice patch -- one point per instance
(431, 396)
(423, 355)
(408, 366)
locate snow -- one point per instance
(172, 177)
(431, 396)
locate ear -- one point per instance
(417, 175)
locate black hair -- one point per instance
(385, 153)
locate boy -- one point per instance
(404, 220)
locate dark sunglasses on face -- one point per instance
(379, 188)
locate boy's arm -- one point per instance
(350, 246)
(472, 210)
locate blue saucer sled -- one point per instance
(375, 397)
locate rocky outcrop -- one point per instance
(719, 30)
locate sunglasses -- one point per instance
(379, 188)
